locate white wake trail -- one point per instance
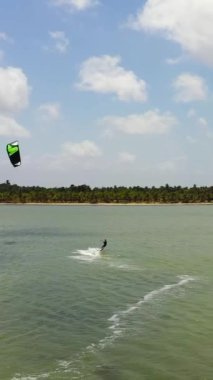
(116, 330)
(89, 254)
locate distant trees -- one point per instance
(118, 194)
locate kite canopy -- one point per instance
(14, 153)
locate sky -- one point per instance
(107, 92)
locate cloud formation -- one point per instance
(9, 127)
(171, 165)
(105, 75)
(79, 5)
(14, 90)
(202, 122)
(190, 88)
(61, 41)
(150, 122)
(188, 23)
(50, 111)
(126, 158)
(5, 37)
(84, 149)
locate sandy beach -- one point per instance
(107, 204)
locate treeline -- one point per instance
(117, 194)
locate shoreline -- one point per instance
(104, 204)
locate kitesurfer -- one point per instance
(104, 244)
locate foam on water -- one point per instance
(42, 376)
(153, 295)
(89, 254)
(92, 254)
(124, 267)
(115, 328)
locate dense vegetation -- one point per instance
(84, 194)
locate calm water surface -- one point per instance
(142, 310)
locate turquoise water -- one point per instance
(140, 311)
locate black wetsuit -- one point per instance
(104, 244)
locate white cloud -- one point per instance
(105, 75)
(187, 22)
(84, 149)
(197, 120)
(5, 37)
(174, 61)
(126, 158)
(14, 89)
(83, 156)
(80, 156)
(79, 5)
(150, 122)
(190, 88)
(61, 41)
(202, 122)
(171, 165)
(50, 111)
(9, 127)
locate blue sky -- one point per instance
(108, 92)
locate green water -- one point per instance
(140, 311)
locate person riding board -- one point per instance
(104, 244)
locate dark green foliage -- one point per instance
(117, 194)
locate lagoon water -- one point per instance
(140, 311)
